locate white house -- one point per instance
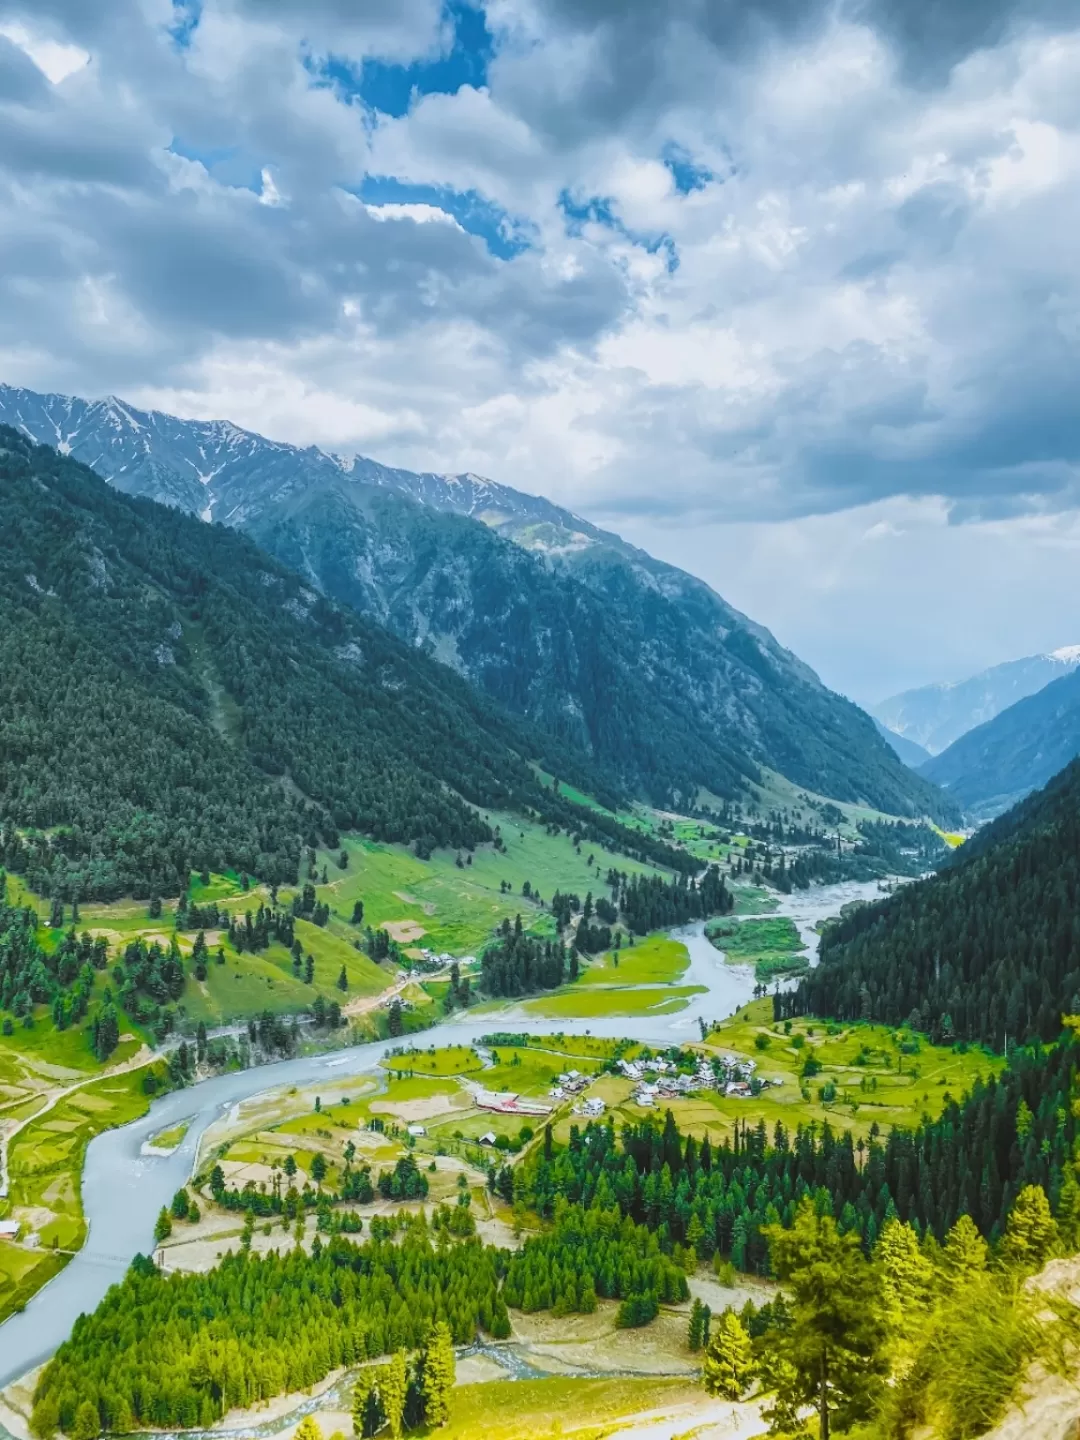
(417, 1131)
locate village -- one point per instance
(659, 1079)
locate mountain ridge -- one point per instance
(175, 699)
(936, 716)
(632, 661)
(997, 764)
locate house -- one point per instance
(9, 1229)
(417, 1131)
(488, 1138)
(557, 1093)
(594, 1106)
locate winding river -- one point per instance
(124, 1189)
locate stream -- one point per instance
(124, 1189)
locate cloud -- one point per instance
(723, 261)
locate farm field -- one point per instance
(45, 1162)
(573, 1002)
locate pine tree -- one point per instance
(393, 1392)
(87, 1422)
(835, 1342)
(343, 980)
(965, 1253)
(1031, 1236)
(906, 1276)
(1068, 1212)
(729, 1362)
(696, 1327)
(162, 1226)
(308, 1429)
(439, 1375)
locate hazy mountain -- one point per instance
(910, 753)
(996, 764)
(631, 660)
(935, 716)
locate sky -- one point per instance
(786, 292)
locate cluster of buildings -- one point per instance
(662, 1080)
(430, 961)
(568, 1084)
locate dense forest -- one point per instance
(986, 950)
(648, 902)
(1010, 1132)
(172, 699)
(179, 1351)
(517, 963)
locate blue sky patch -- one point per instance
(186, 17)
(389, 88)
(598, 210)
(686, 173)
(504, 236)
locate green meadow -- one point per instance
(859, 1075)
(773, 945)
(45, 1161)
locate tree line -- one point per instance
(1012, 1131)
(179, 1351)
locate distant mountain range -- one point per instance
(935, 716)
(996, 764)
(631, 661)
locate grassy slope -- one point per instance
(526, 1408)
(458, 908)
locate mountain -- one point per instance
(996, 764)
(935, 716)
(172, 698)
(986, 949)
(629, 660)
(911, 754)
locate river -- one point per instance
(123, 1189)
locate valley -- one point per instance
(327, 972)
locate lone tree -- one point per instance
(728, 1367)
(439, 1375)
(835, 1344)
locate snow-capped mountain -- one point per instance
(221, 472)
(634, 661)
(935, 716)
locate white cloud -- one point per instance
(55, 60)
